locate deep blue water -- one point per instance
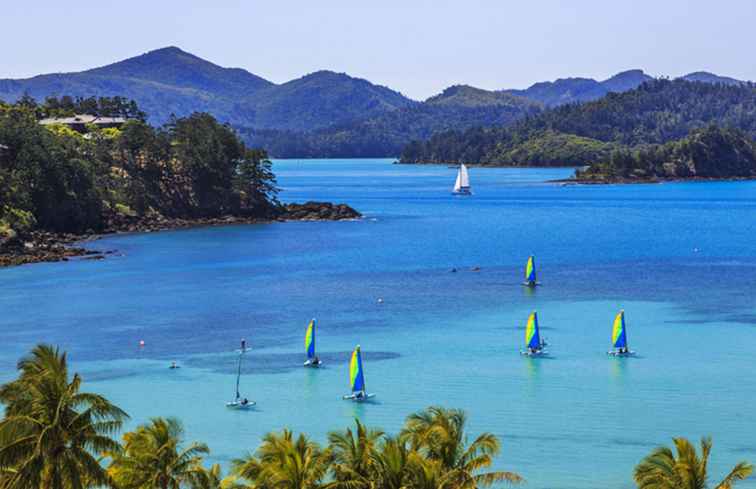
(679, 258)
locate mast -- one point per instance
(238, 375)
(238, 368)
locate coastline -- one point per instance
(45, 246)
(632, 181)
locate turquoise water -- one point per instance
(679, 258)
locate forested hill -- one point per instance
(709, 153)
(385, 134)
(656, 112)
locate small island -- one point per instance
(74, 169)
(712, 153)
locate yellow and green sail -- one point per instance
(356, 377)
(310, 340)
(530, 271)
(532, 334)
(619, 331)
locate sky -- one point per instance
(417, 47)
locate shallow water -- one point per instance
(679, 258)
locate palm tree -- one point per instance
(439, 434)
(661, 469)
(425, 473)
(153, 458)
(285, 462)
(52, 431)
(392, 464)
(354, 455)
(212, 478)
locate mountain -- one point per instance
(175, 68)
(321, 99)
(467, 96)
(570, 90)
(384, 134)
(170, 81)
(706, 77)
(657, 112)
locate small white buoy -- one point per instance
(141, 343)
(380, 300)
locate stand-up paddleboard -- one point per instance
(530, 273)
(240, 402)
(357, 379)
(462, 183)
(619, 337)
(534, 344)
(312, 360)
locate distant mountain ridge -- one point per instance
(170, 81)
(319, 109)
(571, 90)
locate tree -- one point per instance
(285, 462)
(52, 432)
(354, 455)
(212, 478)
(153, 458)
(662, 469)
(255, 181)
(392, 464)
(439, 434)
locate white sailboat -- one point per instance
(462, 184)
(240, 402)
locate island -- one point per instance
(712, 153)
(74, 169)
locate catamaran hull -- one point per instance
(356, 398)
(239, 405)
(462, 192)
(620, 354)
(532, 285)
(540, 353)
(312, 364)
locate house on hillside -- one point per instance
(79, 122)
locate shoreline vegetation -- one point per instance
(53, 435)
(63, 183)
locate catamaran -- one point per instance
(312, 359)
(534, 344)
(462, 184)
(619, 337)
(530, 273)
(357, 378)
(240, 402)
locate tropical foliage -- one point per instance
(52, 432)
(54, 178)
(686, 469)
(153, 457)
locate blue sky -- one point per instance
(415, 46)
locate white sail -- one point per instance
(458, 181)
(463, 178)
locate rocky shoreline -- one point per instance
(43, 246)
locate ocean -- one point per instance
(680, 258)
